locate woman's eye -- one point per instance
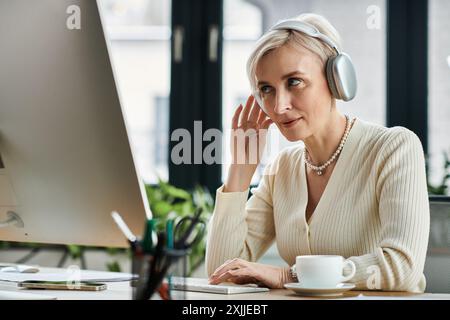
(265, 89)
(294, 82)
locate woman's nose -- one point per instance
(282, 104)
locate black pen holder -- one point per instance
(150, 270)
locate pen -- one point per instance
(169, 232)
(156, 275)
(149, 242)
(123, 226)
(132, 239)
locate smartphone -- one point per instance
(56, 285)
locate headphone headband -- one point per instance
(305, 28)
(339, 69)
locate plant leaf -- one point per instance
(177, 193)
(74, 251)
(161, 209)
(113, 266)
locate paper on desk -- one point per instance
(81, 275)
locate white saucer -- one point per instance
(322, 292)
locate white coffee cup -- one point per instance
(322, 271)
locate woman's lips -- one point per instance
(291, 123)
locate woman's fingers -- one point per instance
(246, 111)
(241, 271)
(261, 117)
(250, 119)
(231, 274)
(266, 123)
(235, 120)
(228, 265)
(254, 113)
(224, 268)
(219, 269)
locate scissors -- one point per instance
(189, 230)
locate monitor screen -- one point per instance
(66, 157)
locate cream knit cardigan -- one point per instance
(374, 211)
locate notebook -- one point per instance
(201, 285)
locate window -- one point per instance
(139, 35)
(161, 131)
(439, 86)
(242, 27)
(362, 28)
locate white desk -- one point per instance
(122, 291)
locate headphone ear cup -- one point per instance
(341, 77)
(330, 78)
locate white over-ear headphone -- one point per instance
(340, 72)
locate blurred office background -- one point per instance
(140, 34)
(184, 60)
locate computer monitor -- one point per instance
(66, 157)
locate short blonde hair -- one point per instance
(278, 38)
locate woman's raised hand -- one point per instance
(248, 139)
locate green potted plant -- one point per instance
(166, 202)
(169, 202)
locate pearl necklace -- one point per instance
(320, 169)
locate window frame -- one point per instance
(407, 66)
(196, 86)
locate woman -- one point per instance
(356, 189)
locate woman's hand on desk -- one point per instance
(240, 271)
